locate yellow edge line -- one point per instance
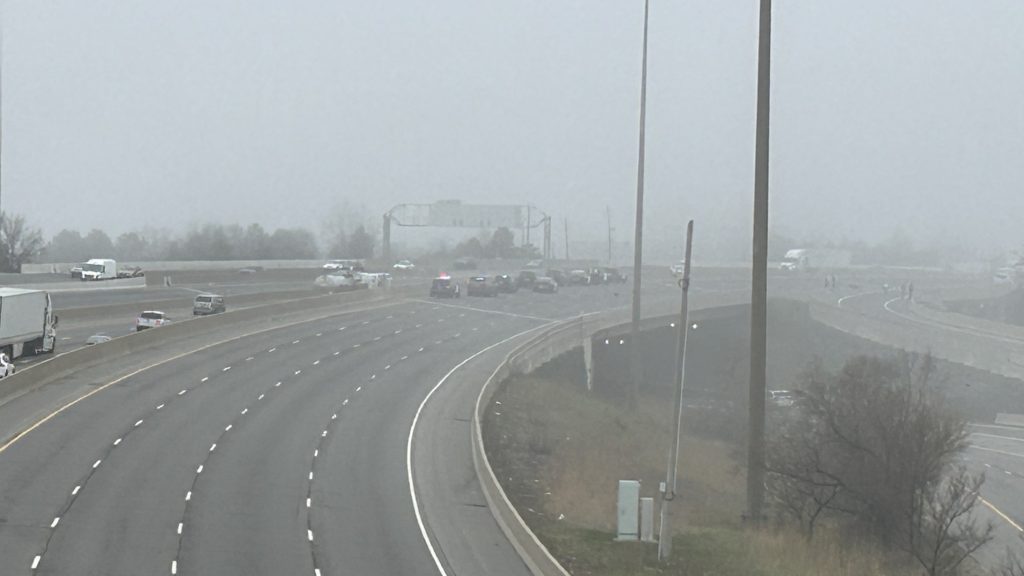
(58, 411)
(1001, 515)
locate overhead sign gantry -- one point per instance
(455, 214)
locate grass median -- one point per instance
(559, 452)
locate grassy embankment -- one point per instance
(560, 451)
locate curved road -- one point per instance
(279, 453)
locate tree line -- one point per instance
(208, 242)
(20, 244)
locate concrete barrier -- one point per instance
(522, 360)
(248, 320)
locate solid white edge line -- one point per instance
(412, 434)
(1001, 514)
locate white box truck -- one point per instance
(99, 269)
(27, 323)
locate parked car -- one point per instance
(579, 277)
(204, 304)
(533, 264)
(343, 265)
(558, 276)
(678, 268)
(339, 282)
(546, 285)
(97, 339)
(404, 266)
(151, 319)
(6, 366)
(506, 283)
(613, 276)
(481, 286)
(526, 278)
(465, 264)
(444, 287)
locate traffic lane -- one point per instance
(361, 499)
(266, 473)
(37, 470)
(1000, 457)
(185, 292)
(464, 529)
(198, 451)
(74, 335)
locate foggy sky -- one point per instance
(886, 116)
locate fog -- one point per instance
(888, 118)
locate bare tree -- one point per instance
(1012, 566)
(943, 531)
(19, 244)
(876, 445)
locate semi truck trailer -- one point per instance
(28, 325)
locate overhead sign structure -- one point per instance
(455, 214)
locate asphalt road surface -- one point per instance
(279, 453)
(286, 452)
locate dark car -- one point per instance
(546, 285)
(481, 286)
(465, 264)
(558, 276)
(506, 283)
(526, 279)
(578, 278)
(613, 276)
(444, 287)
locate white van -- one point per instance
(204, 304)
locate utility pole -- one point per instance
(665, 535)
(528, 223)
(608, 212)
(759, 274)
(386, 237)
(567, 239)
(635, 360)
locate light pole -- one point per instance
(759, 274)
(635, 366)
(665, 529)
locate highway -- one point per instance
(280, 453)
(300, 450)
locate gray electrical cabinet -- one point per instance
(629, 510)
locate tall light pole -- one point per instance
(635, 365)
(665, 531)
(759, 274)
(608, 212)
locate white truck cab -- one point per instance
(99, 269)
